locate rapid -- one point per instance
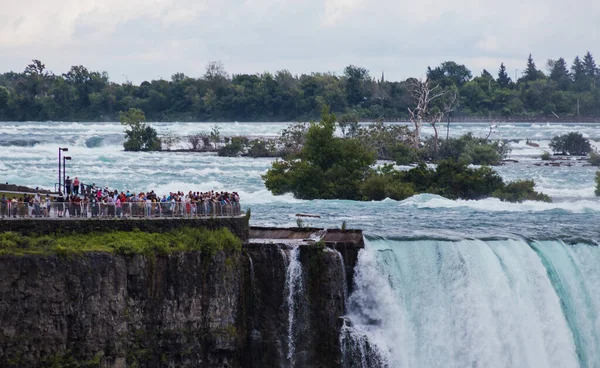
(441, 283)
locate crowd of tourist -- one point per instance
(79, 200)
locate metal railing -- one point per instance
(111, 210)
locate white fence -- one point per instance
(119, 210)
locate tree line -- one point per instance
(38, 94)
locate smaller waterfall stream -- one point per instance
(343, 275)
(251, 271)
(294, 289)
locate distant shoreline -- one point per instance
(458, 119)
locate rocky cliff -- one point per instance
(276, 303)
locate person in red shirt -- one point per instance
(76, 186)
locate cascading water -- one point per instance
(474, 303)
(342, 273)
(574, 272)
(293, 289)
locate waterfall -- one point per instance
(293, 290)
(251, 272)
(357, 351)
(343, 274)
(575, 274)
(474, 303)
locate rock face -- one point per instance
(230, 309)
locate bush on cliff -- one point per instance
(122, 242)
(597, 192)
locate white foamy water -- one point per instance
(466, 304)
(429, 290)
(29, 157)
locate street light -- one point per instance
(60, 150)
(65, 158)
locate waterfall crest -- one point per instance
(473, 303)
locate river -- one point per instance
(441, 283)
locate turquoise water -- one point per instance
(475, 303)
(441, 283)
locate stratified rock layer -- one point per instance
(181, 310)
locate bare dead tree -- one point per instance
(195, 140)
(423, 94)
(492, 127)
(447, 102)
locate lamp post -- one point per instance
(65, 158)
(60, 150)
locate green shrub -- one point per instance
(139, 136)
(121, 242)
(482, 155)
(519, 191)
(327, 167)
(597, 184)
(453, 180)
(405, 155)
(234, 148)
(546, 156)
(262, 148)
(380, 186)
(574, 144)
(469, 150)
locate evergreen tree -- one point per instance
(589, 65)
(578, 75)
(486, 75)
(577, 70)
(531, 72)
(503, 78)
(560, 74)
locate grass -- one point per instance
(11, 195)
(121, 242)
(546, 156)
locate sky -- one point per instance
(139, 40)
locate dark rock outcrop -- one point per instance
(230, 309)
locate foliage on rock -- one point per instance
(574, 144)
(519, 191)
(327, 167)
(139, 136)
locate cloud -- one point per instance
(147, 39)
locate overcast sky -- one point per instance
(150, 39)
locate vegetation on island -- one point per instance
(573, 144)
(389, 142)
(121, 242)
(331, 167)
(138, 135)
(597, 191)
(38, 94)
